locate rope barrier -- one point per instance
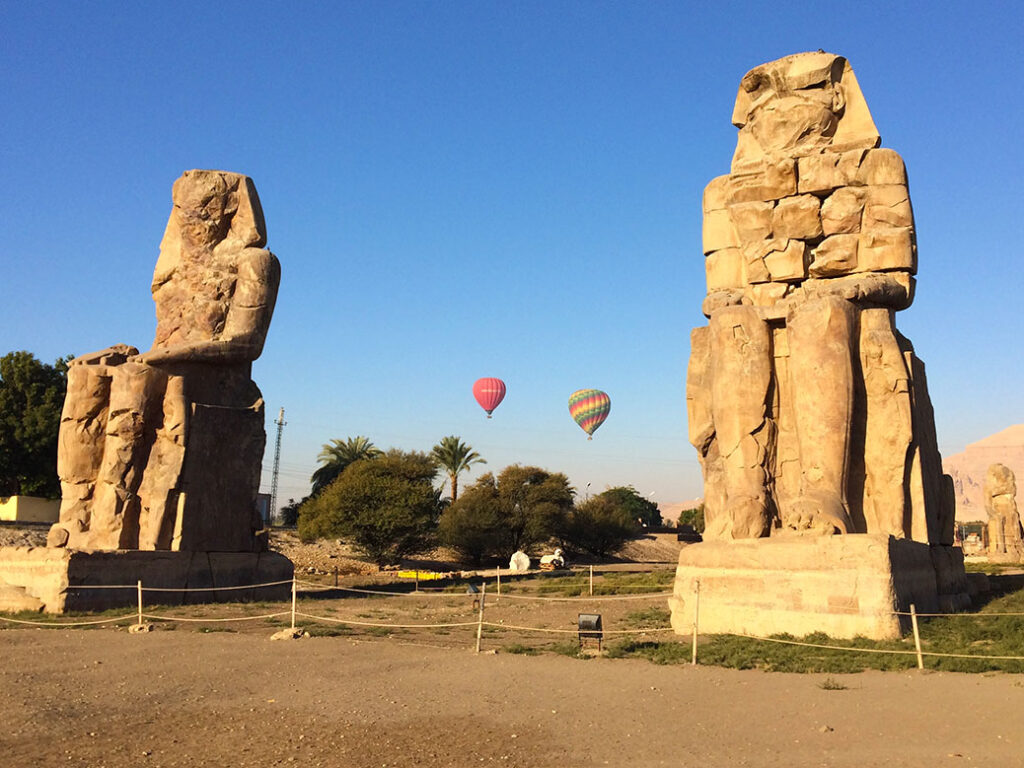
(389, 626)
(510, 595)
(157, 617)
(67, 623)
(940, 654)
(576, 631)
(585, 598)
(215, 589)
(956, 615)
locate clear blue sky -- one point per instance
(465, 189)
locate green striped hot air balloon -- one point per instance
(589, 408)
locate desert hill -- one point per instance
(969, 467)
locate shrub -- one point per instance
(387, 508)
(599, 526)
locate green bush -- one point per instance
(599, 525)
(387, 507)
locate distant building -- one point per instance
(29, 509)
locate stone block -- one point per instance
(845, 586)
(770, 180)
(788, 264)
(767, 294)
(753, 221)
(797, 218)
(716, 194)
(835, 255)
(823, 174)
(725, 269)
(62, 580)
(882, 166)
(887, 206)
(842, 211)
(886, 249)
(719, 232)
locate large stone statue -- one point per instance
(162, 450)
(1004, 528)
(808, 409)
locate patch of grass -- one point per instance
(648, 618)
(831, 684)
(208, 630)
(745, 653)
(568, 648)
(657, 652)
(334, 631)
(519, 648)
(982, 633)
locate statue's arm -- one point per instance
(114, 355)
(247, 322)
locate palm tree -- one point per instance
(338, 454)
(454, 456)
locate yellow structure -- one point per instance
(29, 509)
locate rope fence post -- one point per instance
(417, 581)
(591, 580)
(696, 620)
(917, 636)
(480, 618)
(335, 575)
(293, 601)
(498, 598)
(139, 587)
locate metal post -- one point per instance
(293, 602)
(140, 600)
(917, 636)
(696, 619)
(591, 581)
(480, 618)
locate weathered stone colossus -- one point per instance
(1004, 529)
(808, 409)
(162, 450)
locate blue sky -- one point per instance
(510, 189)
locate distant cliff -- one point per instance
(968, 470)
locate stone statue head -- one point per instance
(801, 105)
(213, 211)
(213, 206)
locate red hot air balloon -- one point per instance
(489, 393)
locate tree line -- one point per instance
(386, 504)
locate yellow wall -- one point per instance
(29, 509)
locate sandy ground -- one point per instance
(182, 698)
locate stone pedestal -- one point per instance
(844, 586)
(58, 580)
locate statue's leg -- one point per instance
(136, 390)
(159, 491)
(740, 387)
(702, 433)
(80, 445)
(888, 425)
(821, 335)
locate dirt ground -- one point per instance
(184, 698)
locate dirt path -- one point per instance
(183, 698)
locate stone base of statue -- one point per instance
(58, 580)
(845, 586)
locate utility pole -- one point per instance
(277, 464)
